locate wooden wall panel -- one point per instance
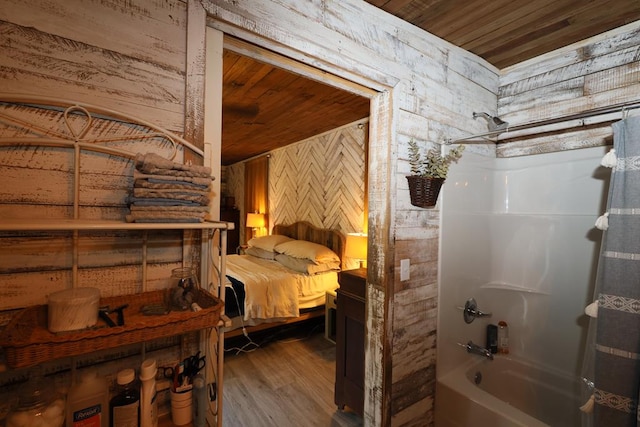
(125, 55)
(320, 180)
(600, 72)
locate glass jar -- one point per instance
(184, 287)
(38, 405)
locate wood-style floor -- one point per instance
(287, 382)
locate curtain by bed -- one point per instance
(617, 346)
(256, 189)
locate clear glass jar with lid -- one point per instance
(184, 286)
(38, 405)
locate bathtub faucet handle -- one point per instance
(476, 349)
(470, 311)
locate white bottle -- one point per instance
(148, 402)
(88, 401)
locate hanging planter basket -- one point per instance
(424, 191)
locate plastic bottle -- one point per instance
(88, 401)
(503, 337)
(199, 401)
(148, 402)
(124, 407)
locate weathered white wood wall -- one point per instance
(131, 55)
(600, 72)
(428, 90)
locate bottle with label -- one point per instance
(88, 402)
(200, 405)
(503, 337)
(124, 407)
(148, 402)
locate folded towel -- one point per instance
(154, 164)
(158, 184)
(592, 309)
(166, 217)
(201, 197)
(170, 209)
(156, 201)
(168, 179)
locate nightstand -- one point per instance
(350, 337)
(330, 316)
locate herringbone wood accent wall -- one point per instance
(319, 180)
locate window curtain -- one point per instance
(617, 338)
(256, 192)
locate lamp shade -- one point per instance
(356, 247)
(255, 220)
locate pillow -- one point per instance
(268, 242)
(306, 266)
(260, 253)
(307, 250)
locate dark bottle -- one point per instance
(492, 338)
(124, 407)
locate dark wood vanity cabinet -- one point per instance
(350, 336)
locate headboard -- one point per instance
(303, 230)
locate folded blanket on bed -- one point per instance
(172, 179)
(151, 163)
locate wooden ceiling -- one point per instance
(265, 107)
(506, 32)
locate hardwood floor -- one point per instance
(288, 381)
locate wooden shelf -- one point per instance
(27, 341)
(78, 224)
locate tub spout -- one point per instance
(476, 349)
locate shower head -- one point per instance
(493, 122)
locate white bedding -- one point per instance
(274, 291)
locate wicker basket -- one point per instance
(26, 341)
(424, 191)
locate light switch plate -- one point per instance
(405, 266)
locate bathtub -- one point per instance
(506, 392)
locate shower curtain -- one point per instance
(617, 339)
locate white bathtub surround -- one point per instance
(518, 235)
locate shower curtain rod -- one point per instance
(585, 114)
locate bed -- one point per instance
(282, 278)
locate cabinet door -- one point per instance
(350, 337)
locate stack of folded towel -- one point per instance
(165, 191)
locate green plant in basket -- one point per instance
(433, 165)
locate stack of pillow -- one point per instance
(298, 255)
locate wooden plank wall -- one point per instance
(600, 72)
(428, 91)
(121, 55)
(131, 56)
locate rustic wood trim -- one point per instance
(378, 354)
(195, 75)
